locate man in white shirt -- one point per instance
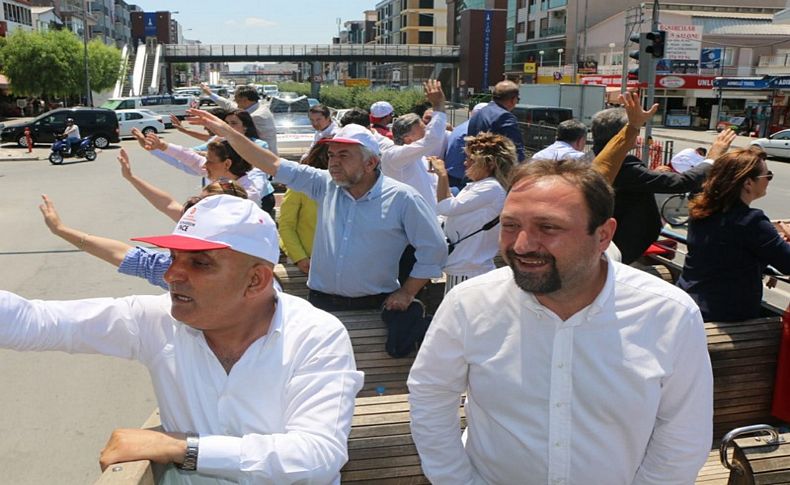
(253, 385)
(577, 369)
(405, 159)
(321, 120)
(687, 159)
(571, 138)
(247, 98)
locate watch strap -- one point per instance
(191, 455)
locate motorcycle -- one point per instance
(61, 149)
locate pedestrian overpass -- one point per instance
(405, 53)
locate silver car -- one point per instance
(776, 145)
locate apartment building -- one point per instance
(16, 15)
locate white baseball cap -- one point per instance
(223, 222)
(380, 109)
(354, 134)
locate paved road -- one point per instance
(58, 410)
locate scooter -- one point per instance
(61, 149)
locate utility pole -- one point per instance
(651, 83)
(88, 96)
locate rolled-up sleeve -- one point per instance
(147, 264)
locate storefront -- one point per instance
(744, 101)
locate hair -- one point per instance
(504, 91)
(318, 156)
(496, 152)
(722, 188)
(605, 125)
(222, 149)
(420, 108)
(247, 92)
(227, 187)
(403, 125)
(250, 131)
(571, 130)
(218, 112)
(320, 109)
(597, 193)
(356, 116)
(702, 151)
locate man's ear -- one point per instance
(259, 280)
(605, 232)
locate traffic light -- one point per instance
(642, 56)
(656, 41)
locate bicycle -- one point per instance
(675, 209)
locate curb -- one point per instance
(19, 159)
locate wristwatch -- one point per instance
(191, 456)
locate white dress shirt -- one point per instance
(686, 159)
(282, 414)
(477, 203)
(407, 163)
(559, 150)
(328, 132)
(620, 393)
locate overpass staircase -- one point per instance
(140, 70)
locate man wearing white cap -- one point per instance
(365, 222)
(381, 114)
(455, 156)
(284, 412)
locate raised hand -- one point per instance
(176, 122)
(206, 90)
(436, 165)
(204, 118)
(434, 93)
(138, 135)
(637, 117)
(721, 144)
(153, 142)
(126, 167)
(51, 217)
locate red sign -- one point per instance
(663, 81)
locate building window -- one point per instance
(425, 38)
(426, 3)
(729, 56)
(521, 27)
(544, 24)
(531, 29)
(426, 20)
(404, 22)
(521, 4)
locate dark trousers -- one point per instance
(267, 204)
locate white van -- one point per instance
(163, 104)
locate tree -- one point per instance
(51, 63)
(104, 64)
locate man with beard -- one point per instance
(577, 369)
(365, 221)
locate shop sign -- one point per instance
(780, 82)
(683, 42)
(608, 80)
(684, 82)
(530, 68)
(746, 83)
(711, 58)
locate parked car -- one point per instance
(776, 145)
(145, 122)
(269, 90)
(163, 104)
(98, 123)
(165, 118)
(539, 123)
(294, 131)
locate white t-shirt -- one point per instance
(686, 159)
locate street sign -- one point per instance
(683, 42)
(396, 76)
(530, 68)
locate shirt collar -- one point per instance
(328, 131)
(252, 108)
(373, 193)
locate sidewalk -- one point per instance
(19, 155)
(703, 138)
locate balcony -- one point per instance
(552, 31)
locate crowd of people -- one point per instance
(567, 356)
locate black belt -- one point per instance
(329, 302)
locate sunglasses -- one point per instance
(768, 175)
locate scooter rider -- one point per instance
(72, 134)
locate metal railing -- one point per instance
(774, 61)
(549, 31)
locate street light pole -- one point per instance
(559, 62)
(540, 53)
(611, 53)
(88, 97)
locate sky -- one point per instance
(260, 21)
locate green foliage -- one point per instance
(341, 97)
(51, 63)
(104, 64)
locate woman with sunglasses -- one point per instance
(130, 260)
(729, 243)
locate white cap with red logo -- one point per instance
(380, 109)
(223, 222)
(354, 134)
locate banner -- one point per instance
(149, 24)
(683, 42)
(710, 58)
(487, 26)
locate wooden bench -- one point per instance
(380, 447)
(744, 357)
(383, 374)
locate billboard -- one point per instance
(149, 24)
(683, 42)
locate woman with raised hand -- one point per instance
(729, 243)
